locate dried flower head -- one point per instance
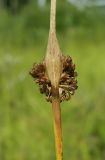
(67, 83)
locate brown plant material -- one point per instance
(56, 77)
(66, 88)
(67, 83)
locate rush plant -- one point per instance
(56, 78)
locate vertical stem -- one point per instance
(53, 16)
(57, 123)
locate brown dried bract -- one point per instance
(67, 83)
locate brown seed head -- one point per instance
(67, 82)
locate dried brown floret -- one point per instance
(67, 83)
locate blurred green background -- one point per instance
(26, 124)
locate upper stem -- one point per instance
(53, 16)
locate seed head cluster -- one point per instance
(67, 83)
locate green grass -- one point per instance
(26, 125)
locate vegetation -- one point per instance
(26, 130)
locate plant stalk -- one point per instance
(53, 16)
(57, 123)
(53, 65)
